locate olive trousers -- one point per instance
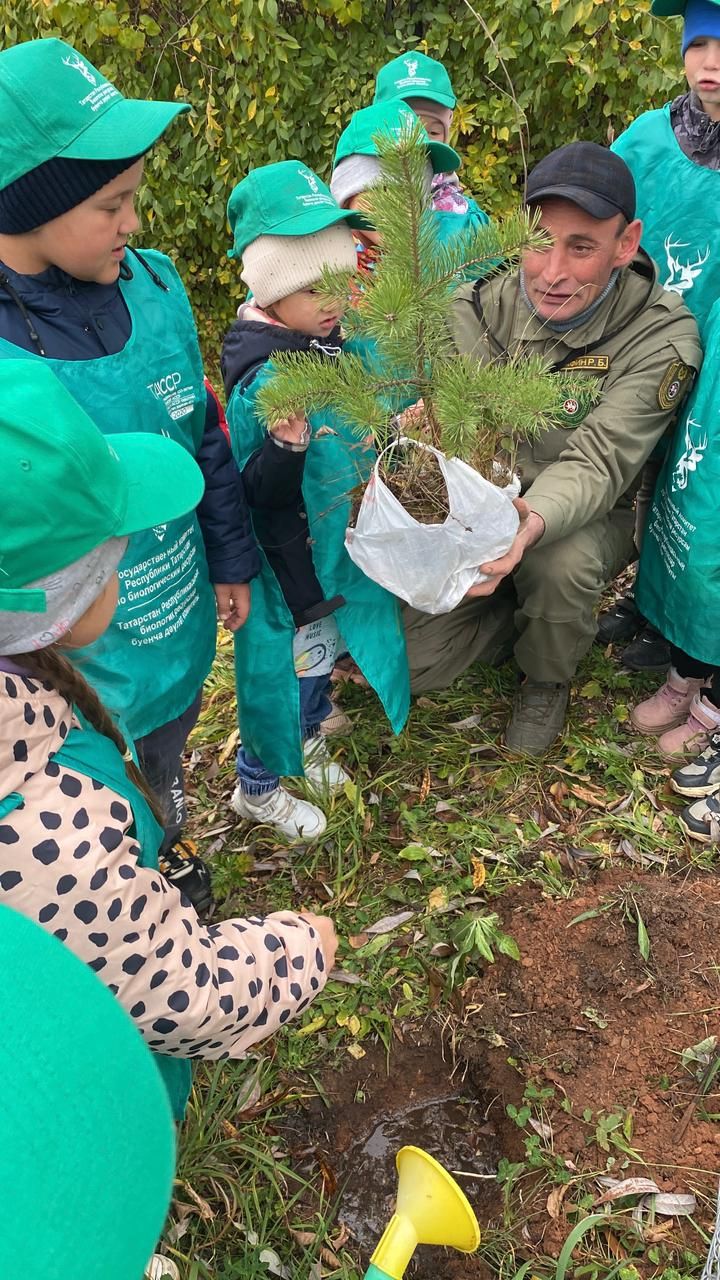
(544, 613)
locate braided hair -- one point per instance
(52, 667)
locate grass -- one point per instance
(439, 822)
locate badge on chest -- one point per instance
(576, 408)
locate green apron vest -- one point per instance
(152, 660)
(91, 754)
(679, 203)
(452, 224)
(370, 623)
(678, 586)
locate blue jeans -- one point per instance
(254, 778)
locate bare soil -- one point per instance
(582, 1014)
(585, 1015)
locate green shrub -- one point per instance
(268, 81)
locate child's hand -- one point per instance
(412, 417)
(292, 430)
(233, 603)
(328, 936)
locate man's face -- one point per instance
(567, 278)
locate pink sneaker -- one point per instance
(693, 735)
(668, 707)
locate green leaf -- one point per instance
(642, 936)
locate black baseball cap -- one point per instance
(588, 175)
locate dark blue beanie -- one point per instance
(702, 18)
(54, 188)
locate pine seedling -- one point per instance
(400, 352)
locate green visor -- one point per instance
(54, 103)
(394, 117)
(285, 199)
(67, 488)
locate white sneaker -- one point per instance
(161, 1268)
(297, 819)
(320, 770)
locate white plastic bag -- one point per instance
(432, 566)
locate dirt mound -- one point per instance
(613, 986)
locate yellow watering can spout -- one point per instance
(431, 1209)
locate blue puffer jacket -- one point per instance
(67, 319)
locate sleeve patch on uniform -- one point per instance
(676, 382)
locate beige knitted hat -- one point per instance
(275, 266)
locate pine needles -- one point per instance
(399, 350)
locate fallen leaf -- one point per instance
(357, 940)
(616, 1190)
(470, 722)
(596, 1018)
(356, 1051)
(274, 1265)
(205, 1211)
(341, 1237)
(441, 949)
(250, 1090)
(540, 1127)
(230, 745)
(328, 1175)
(303, 1238)
(615, 1246)
(479, 874)
(425, 788)
(414, 853)
(388, 923)
(671, 1206)
(594, 798)
(438, 899)
(555, 1199)
(344, 975)
(656, 1234)
(311, 1027)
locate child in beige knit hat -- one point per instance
(310, 601)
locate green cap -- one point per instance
(358, 139)
(67, 488)
(414, 75)
(86, 1134)
(285, 199)
(54, 103)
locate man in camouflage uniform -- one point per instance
(591, 305)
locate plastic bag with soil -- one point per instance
(426, 548)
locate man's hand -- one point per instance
(532, 528)
(233, 603)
